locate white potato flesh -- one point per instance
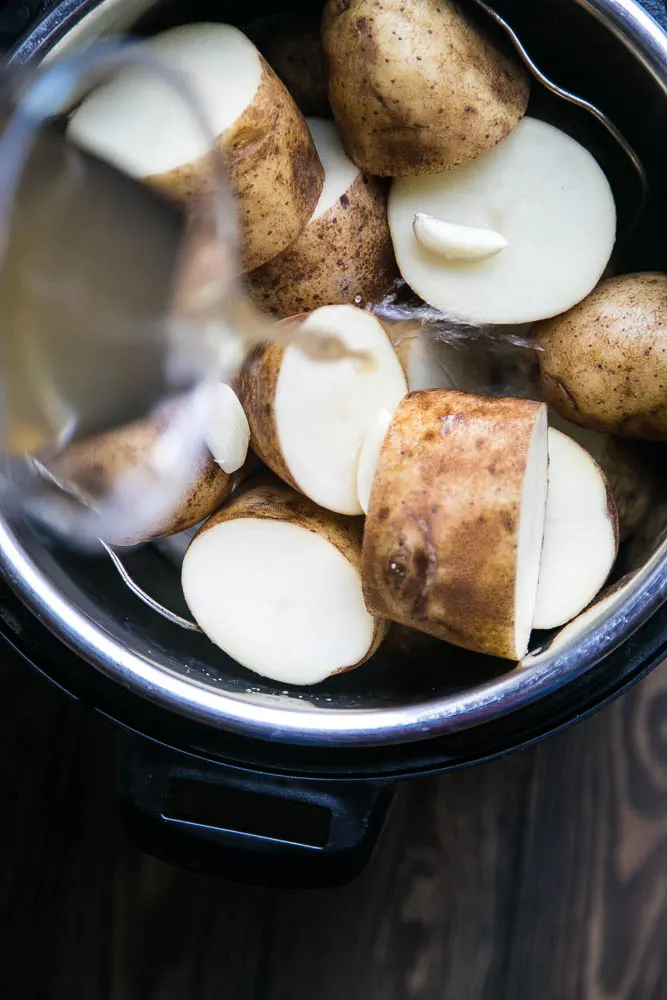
(580, 539)
(531, 532)
(226, 428)
(593, 441)
(369, 457)
(340, 173)
(280, 599)
(324, 410)
(539, 189)
(137, 120)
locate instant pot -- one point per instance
(222, 771)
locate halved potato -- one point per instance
(345, 254)
(275, 581)
(308, 419)
(414, 87)
(137, 122)
(455, 523)
(539, 190)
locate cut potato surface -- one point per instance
(454, 530)
(308, 418)
(545, 195)
(603, 364)
(340, 172)
(226, 428)
(369, 457)
(414, 87)
(580, 534)
(275, 582)
(137, 122)
(345, 253)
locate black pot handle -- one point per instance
(247, 826)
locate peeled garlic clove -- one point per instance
(456, 243)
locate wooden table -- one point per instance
(539, 877)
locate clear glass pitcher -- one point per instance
(114, 301)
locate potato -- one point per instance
(456, 518)
(344, 255)
(414, 87)
(276, 583)
(308, 418)
(580, 541)
(136, 122)
(555, 215)
(295, 53)
(603, 364)
(131, 472)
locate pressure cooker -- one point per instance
(222, 771)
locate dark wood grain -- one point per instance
(83, 914)
(542, 875)
(591, 904)
(428, 916)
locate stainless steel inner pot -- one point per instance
(609, 51)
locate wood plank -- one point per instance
(541, 875)
(83, 914)
(427, 919)
(591, 904)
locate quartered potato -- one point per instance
(275, 581)
(308, 419)
(136, 122)
(345, 254)
(456, 519)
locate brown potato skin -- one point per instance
(416, 89)
(276, 173)
(441, 537)
(265, 497)
(93, 465)
(344, 256)
(255, 386)
(603, 364)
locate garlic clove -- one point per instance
(456, 243)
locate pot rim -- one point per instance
(263, 717)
